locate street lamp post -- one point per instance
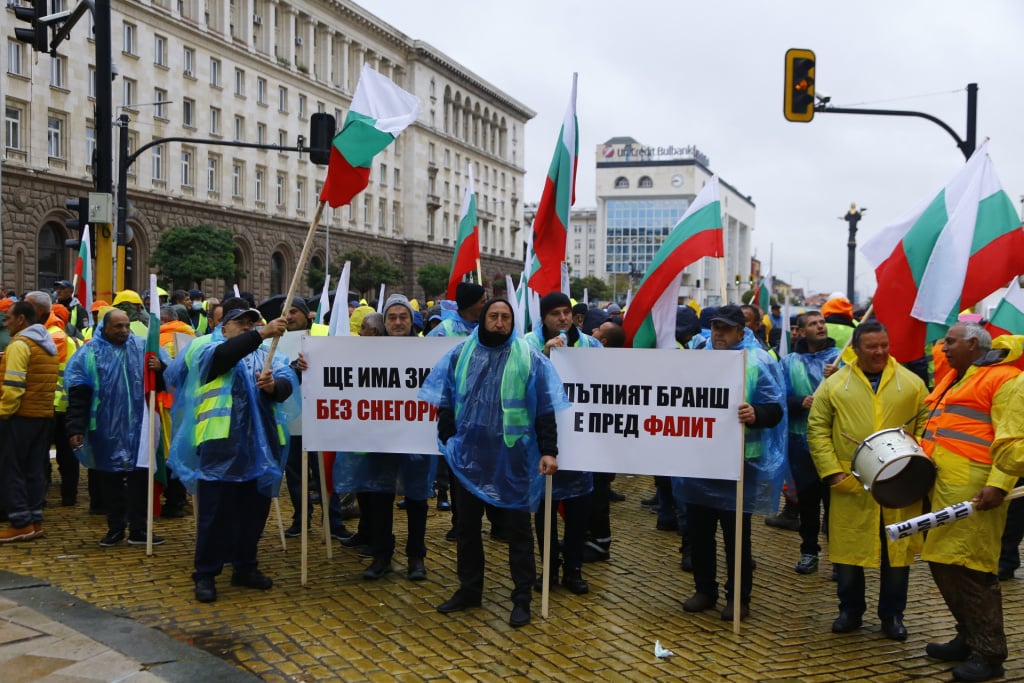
(852, 217)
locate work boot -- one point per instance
(788, 518)
(808, 564)
(597, 549)
(977, 668)
(955, 650)
(573, 580)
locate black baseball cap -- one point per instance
(731, 315)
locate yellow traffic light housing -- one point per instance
(798, 97)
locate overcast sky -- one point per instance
(710, 74)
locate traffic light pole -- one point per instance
(967, 146)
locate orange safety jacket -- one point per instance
(961, 420)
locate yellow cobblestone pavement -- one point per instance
(340, 627)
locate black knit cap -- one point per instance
(467, 294)
(552, 301)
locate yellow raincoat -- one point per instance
(1008, 446)
(973, 542)
(845, 404)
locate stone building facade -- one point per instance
(253, 71)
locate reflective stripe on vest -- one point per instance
(961, 421)
(213, 409)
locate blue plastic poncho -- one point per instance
(567, 483)
(803, 373)
(498, 468)
(252, 449)
(765, 463)
(114, 373)
(411, 475)
(452, 324)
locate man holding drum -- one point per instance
(966, 408)
(873, 394)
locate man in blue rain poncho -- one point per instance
(712, 502)
(497, 399)
(469, 297)
(571, 491)
(229, 448)
(106, 419)
(804, 370)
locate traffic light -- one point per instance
(739, 278)
(79, 224)
(798, 98)
(37, 35)
(321, 138)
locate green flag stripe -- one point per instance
(996, 217)
(706, 218)
(919, 242)
(359, 140)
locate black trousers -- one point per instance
(231, 518)
(24, 462)
(577, 516)
(378, 511)
(124, 498)
(600, 526)
(67, 463)
(701, 527)
(470, 546)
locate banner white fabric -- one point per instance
(651, 411)
(359, 393)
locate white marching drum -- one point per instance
(892, 467)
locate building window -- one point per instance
(239, 128)
(51, 254)
(159, 110)
(261, 133)
(381, 214)
(55, 137)
(398, 177)
(159, 50)
(300, 195)
(261, 90)
(130, 90)
(215, 72)
(282, 137)
(281, 180)
(302, 106)
(621, 183)
(213, 174)
(92, 82)
(158, 162)
(90, 142)
(367, 201)
(129, 35)
(282, 99)
(237, 179)
(394, 217)
(214, 121)
(382, 176)
(59, 71)
(239, 83)
(260, 177)
(189, 60)
(646, 182)
(188, 113)
(430, 225)
(186, 167)
(277, 272)
(15, 57)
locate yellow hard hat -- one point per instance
(128, 296)
(415, 304)
(160, 291)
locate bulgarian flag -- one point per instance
(1008, 318)
(650, 320)
(380, 111)
(764, 294)
(152, 335)
(950, 252)
(467, 242)
(551, 224)
(83, 272)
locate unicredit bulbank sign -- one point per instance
(637, 153)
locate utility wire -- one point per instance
(903, 99)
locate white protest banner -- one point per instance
(288, 350)
(359, 393)
(651, 411)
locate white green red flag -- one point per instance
(152, 335)
(551, 224)
(950, 252)
(83, 272)
(380, 111)
(467, 242)
(339, 319)
(764, 294)
(1008, 318)
(324, 306)
(650, 320)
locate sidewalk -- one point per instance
(48, 635)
